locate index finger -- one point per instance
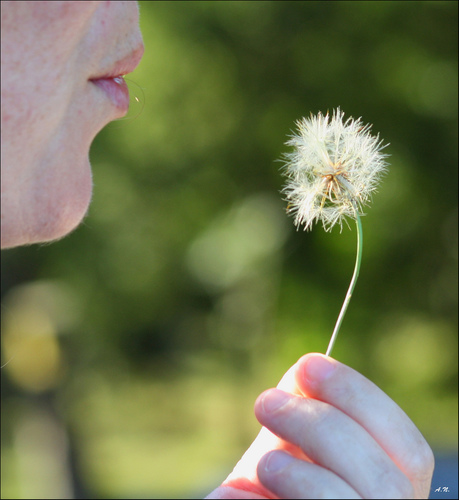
(323, 378)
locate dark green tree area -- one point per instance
(138, 344)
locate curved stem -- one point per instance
(350, 290)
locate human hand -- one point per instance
(330, 433)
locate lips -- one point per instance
(116, 90)
(112, 82)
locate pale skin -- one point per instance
(51, 112)
(336, 435)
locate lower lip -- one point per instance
(116, 90)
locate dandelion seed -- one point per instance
(333, 171)
(331, 174)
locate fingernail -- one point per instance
(318, 368)
(274, 400)
(277, 461)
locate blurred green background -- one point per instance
(136, 346)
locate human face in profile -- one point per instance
(62, 68)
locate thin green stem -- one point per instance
(350, 290)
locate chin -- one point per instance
(55, 207)
(65, 207)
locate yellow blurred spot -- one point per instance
(29, 340)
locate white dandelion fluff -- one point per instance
(331, 174)
(333, 171)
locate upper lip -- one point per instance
(123, 66)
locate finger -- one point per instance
(335, 441)
(288, 477)
(236, 491)
(327, 380)
(244, 475)
(289, 382)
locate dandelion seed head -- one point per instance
(333, 170)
